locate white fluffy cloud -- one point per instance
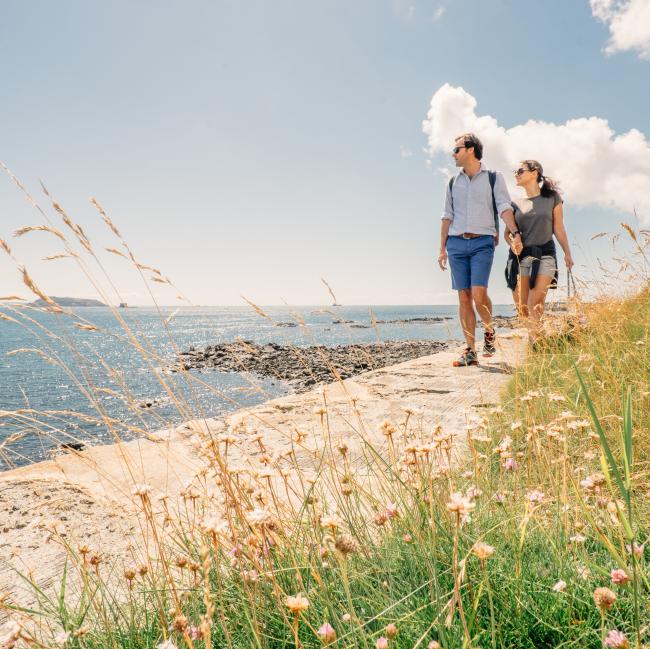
(628, 22)
(593, 164)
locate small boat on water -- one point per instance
(123, 305)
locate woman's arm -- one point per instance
(560, 234)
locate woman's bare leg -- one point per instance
(536, 299)
(520, 297)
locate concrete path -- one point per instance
(88, 495)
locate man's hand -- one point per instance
(442, 259)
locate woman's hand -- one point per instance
(515, 243)
(568, 261)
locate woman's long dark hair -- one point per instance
(549, 186)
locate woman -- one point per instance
(539, 217)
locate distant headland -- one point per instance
(69, 301)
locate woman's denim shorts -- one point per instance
(470, 261)
(547, 266)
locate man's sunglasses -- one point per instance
(456, 149)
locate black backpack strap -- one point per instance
(451, 192)
(492, 175)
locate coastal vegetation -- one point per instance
(535, 535)
(69, 301)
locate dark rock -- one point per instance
(305, 367)
(72, 446)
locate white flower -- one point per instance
(535, 496)
(391, 510)
(460, 504)
(560, 586)
(258, 517)
(61, 638)
(141, 489)
(332, 521)
(167, 644)
(214, 525)
(9, 633)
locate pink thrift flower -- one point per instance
(620, 577)
(535, 496)
(382, 643)
(327, 633)
(195, 632)
(391, 510)
(638, 549)
(616, 640)
(510, 464)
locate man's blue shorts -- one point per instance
(470, 261)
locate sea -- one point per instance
(62, 378)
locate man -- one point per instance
(468, 236)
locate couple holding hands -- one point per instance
(475, 200)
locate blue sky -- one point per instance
(251, 148)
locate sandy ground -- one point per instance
(88, 495)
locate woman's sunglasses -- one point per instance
(520, 171)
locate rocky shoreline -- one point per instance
(305, 367)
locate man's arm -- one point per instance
(509, 219)
(504, 207)
(444, 234)
(447, 218)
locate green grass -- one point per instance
(555, 482)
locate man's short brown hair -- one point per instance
(471, 141)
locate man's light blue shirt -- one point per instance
(473, 210)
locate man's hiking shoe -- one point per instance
(467, 358)
(489, 348)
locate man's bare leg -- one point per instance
(483, 306)
(467, 317)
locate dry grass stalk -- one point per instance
(329, 288)
(75, 227)
(39, 228)
(151, 268)
(85, 327)
(62, 255)
(29, 282)
(115, 251)
(105, 217)
(169, 318)
(258, 310)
